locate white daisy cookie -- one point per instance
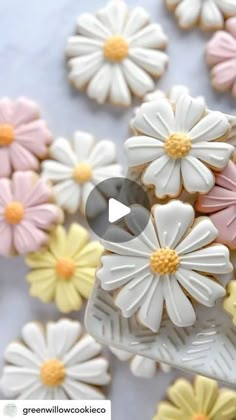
(179, 146)
(76, 167)
(57, 362)
(171, 262)
(116, 53)
(208, 14)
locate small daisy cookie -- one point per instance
(54, 362)
(230, 300)
(165, 266)
(76, 167)
(64, 271)
(140, 366)
(24, 136)
(116, 53)
(202, 400)
(179, 146)
(208, 14)
(26, 213)
(220, 204)
(221, 57)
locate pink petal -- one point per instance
(5, 192)
(224, 74)
(218, 198)
(6, 110)
(28, 238)
(6, 242)
(5, 166)
(225, 222)
(231, 26)
(227, 178)
(34, 137)
(22, 184)
(22, 159)
(42, 216)
(24, 111)
(221, 47)
(40, 193)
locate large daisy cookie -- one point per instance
(202, 400)
(221, 56)
(76, 167)
(26, 213)
(179, 146)
(24, 137)
(55, 362)
(220, 204)
(208, 14)
(116, 53)
(171, 261)
(64, 271)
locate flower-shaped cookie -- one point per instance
(220, 203)
(116, 53)
(221, 56)
(24, 137)
(77, 167)
(140, 366)
(230, 300)
(55, 362)
(64, 271)
(202, 400)
(26, 213)
(167, 263)
(177, 147)
(208, 14)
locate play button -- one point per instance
(117, 210)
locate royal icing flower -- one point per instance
(202, 400)
(77, 167)
(55, 362)
(64, 271)
(116, 53)
(26, 213)
(140, 366)
(24, 137)
(208, 14)
(168, 262)
(220, 204)
(230, 300)
(177, 147)
(221, 56)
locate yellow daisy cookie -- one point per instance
(230, 300)
(64, 272)
(202, 400)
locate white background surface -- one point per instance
(33, 34)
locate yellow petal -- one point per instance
(83, 280)
(90, 255)
(182, 395)
(41, 274)
(206, 394)
(43, 259)
(44, 289)
(225, 406)
(57, 243)
(67, 298)
(77, 238)
(166, 411)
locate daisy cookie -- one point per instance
(64, 271)
(202, 400)
(208, 14)
(172, 262)
(54, 362)
(116, 53)
(24, 137)
(26, 213)
(230, 300)
(179, 146)
(220, 204)
(76, 167)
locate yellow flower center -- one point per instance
(65, 267)
(164, 261)
(83, 172)
(200, 417)
(178, 145)
(116, 48)
(52, 373)
(14, 212)
(6, 134)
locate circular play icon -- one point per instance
(127, 204)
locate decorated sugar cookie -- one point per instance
(220, 204)
(24, 137)
(64, 271)
(208, 14)
(171, 262)
(178, 147)
(26, 213)
(54, 362)
(76, 167)
(230, 300)
(116, 53)
(202, 400)
(221, 56)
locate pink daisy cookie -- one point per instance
(24, 137)
(221, 56)
(220, 203)
(26, 213)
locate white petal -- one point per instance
(100, 84)
(201, 288)
(119, 93)
(227, 6)
(89, 208)
(178, 306)
(89, 25)
(143, 149)
(122, 355)
(138, 80)
(85, 349)
(143, 367)
(61, 336)
(204, 233)
(212, 127)
(110, 171)
(68, 195)
(19, 355)
(92, 372)
(188, 12)
(196, 176)
(188, 112)
(148, 234)
(151, 36)
(35, 392)
(55, 171)
(79, 391)
(17, 379)
(33, 336)
(83, 68)
(150, 313)
(59, 394)
(216, 154)
(78, 45)
(164, 174)
(113, 16)
(154, 62)
(103, 153)
(214, 259)
(137, 19)
(61, 150)
(83, 143)
(176, 91)
(211, 17)
(172, 221)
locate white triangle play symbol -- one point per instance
(116, 210)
